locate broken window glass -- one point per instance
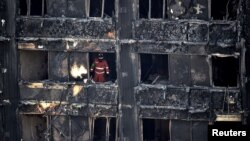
(224, 9)
(225, 71)
(154, 68)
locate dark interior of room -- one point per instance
(225, 71)
(154, 67)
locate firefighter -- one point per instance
(100, 69)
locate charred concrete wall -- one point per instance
(170, 62)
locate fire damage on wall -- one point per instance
(174, 66)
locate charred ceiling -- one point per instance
(173, 65)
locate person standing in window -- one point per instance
(100, 69)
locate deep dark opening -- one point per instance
(156, 130)
(143, 9)
(45, 8)
(35, 124)
(33, 65)
(23, 7)
(95, 8)
(111, 61)
(112, 129)
(225, 71)
(224, 9)
(36, 7)
(157, 9)
(154, 68)
(109, 8)
(100, 129)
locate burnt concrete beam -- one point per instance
(223, 34)
(199, 101)
(160, 31)
(67, 44)
(66, 27)
(161, 113)
(43, 91)
(170, 98)
(102, 110)
(184, 48)
(53, 108)
(103, 94)
(198, 32)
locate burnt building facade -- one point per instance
(176, 66)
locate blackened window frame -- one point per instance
(164, 10)
(103, 6)
(28, 8)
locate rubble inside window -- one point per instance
(224, 9)
(154, 68)
(156, 130)
(225, 71)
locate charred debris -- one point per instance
(175, 67)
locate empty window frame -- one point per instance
(101, 8)
(33, 127)
(104, 129)
(33, 65)
(111, 61)
(224, 9)
(152, 9)
(154, 68)
(32, 7)
(225, 71)
(155, 130)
